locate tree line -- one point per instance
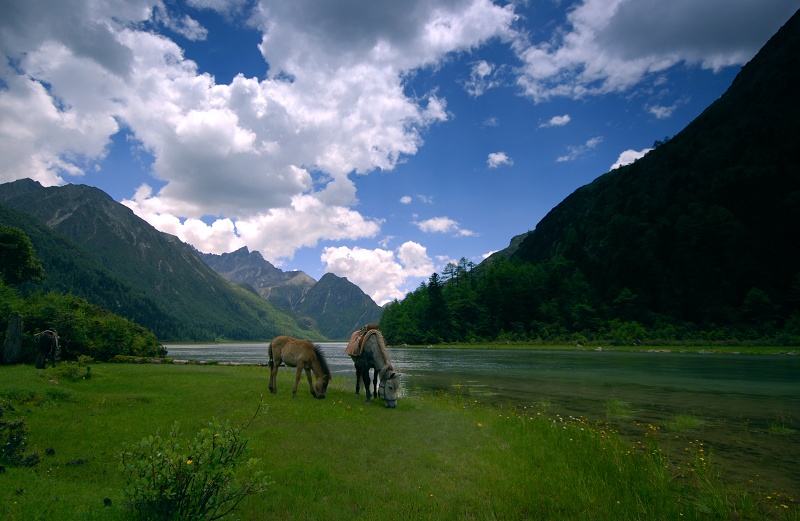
(84, 329)
(552, 302)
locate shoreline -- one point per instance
(697, 349)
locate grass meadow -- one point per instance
(438, 456)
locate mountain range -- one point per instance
(97, 249)
(338, 306)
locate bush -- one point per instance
(14, 441)
(170, 478)
(83, 329)
(69, 371)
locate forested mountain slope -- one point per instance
(707, 220)
(100, 250)
(339, 306)
(698, 241)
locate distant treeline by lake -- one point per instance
(552, 302)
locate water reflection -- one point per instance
(739, 397)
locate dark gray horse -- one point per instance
(47, 348)
(375, 356)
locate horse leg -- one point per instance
(273, 373)
(310, 383)
(297, 380)
(365, 377)
(375, 383)
(358, 380)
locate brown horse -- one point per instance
(303, 355)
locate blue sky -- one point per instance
(378, 140)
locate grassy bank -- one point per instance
(434, 457)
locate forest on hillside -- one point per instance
(696, 242)
(552, 302)
(85, 330)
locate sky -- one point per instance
(377, 140)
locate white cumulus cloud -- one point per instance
(612, 45)
(576, 151)
(443, 225)
(498, 159)
(556, 121)
(270, 157)
(382, 274)
(629, 156)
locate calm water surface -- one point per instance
(749, 404)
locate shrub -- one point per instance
(14, 441)
(202, 478)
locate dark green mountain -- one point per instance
(697, 242)
(338, 306)
(98, 249)
(509, 251)
(706, 227)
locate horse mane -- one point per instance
(382, 346)
(322, 361)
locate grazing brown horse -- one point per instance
(47, 348)
(371, 353)
(303, 355)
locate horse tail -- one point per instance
(271, 361)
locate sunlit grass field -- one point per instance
(433, 457)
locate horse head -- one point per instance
(388, 389)
(321, 386)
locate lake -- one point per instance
(748, 406)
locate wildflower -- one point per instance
(189, 462)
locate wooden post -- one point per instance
(13, 342)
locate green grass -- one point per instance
(779, 426)
(618, 409)
(684, 423)
(433, 457)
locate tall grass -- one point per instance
(684, 423)
(433, 457)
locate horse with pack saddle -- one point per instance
(367, 349)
